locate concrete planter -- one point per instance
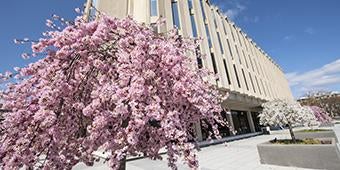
(330, 124)
(320, 134)
(323, 156)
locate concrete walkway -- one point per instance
(236, 155)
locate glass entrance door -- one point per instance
(207, 129)
(240, 120)
(256, 121)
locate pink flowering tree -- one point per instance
(110, 85)
(320, 114)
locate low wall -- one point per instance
(323, 156)
(320, 134)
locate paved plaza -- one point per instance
(235, 155)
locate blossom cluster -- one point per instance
(282, 113)
(112, 85)
(320, 114)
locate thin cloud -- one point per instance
(310, 30)
(233, 13)
(288, 37)
(255, 19)
(232, 8)
(236, 10)
(317, 79)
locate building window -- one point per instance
(190, 4)
(238, 54)
(93, 10)
(245, 42)
(214, 62)
(257, 83)
(220, 42)
(240, 121)
(245, 80)
(202, 8)
(238, 36)
(214, 17)
(252, 82)
(153, 7)
(267, 87)
(225, 30)
(175, 14)
(226, 71)
(255, 63)
(198, 57)
(232, 33)
(229, 48)
(238, 80)
(208, 35)
(245, 59)
(264, 90)
(193, 25)
(251, 62)
(199, 63)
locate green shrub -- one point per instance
(300, 141)
(314, 130)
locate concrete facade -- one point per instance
(244, 70)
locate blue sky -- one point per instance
(302, 36)
(21, 19)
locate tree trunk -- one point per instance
(122, 165)
(291, 132)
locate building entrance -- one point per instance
(207, 129)
(256, 121)
(240, 120)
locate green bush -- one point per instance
(300, 141)
(314, 130)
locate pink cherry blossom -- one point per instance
(320, 114)
(111, 85)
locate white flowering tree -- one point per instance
(284, 113)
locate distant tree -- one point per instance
(284, 113)
(112, 85)
(328, 101)
(320, 114)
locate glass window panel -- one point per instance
(190, 4)
(202, 8)
(252, 82)
(231, 53)
(238, 54)
(238, 80)
(208, 35)
(257, 83)
(245, 79)
(226, 71)
(153, 8)
(193, 26)
(214, 63)
(220, 42)
(175, 14)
